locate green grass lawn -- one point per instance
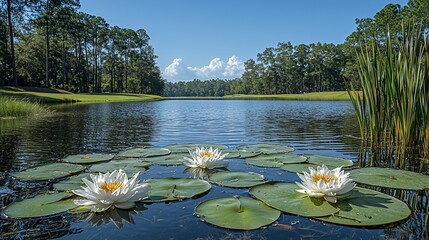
(49, 95)
(338, 95)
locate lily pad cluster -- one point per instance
(363, 207)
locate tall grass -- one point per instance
(12, 107)
(392, 110)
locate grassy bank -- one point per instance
(332, 96)
(48, 95)
(11, 107)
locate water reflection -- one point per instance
(116, 216)
(45, 228)
(72, 130)
(199, 173)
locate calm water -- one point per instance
(311, 127)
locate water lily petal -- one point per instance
(140, 192)
(84, 194)
(100, 207)
(91, 186)
(84, 202)
(311, 193)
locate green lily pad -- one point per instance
(367, 207)
(364, 207)
(284, 197)
(231, 153)
(48, 172)
(248, 154)
(237, 179)
(184, 148)
(240, 213)
(390, 178)
(301, 167)
(328, 161)
(144, 152)
(40, 206)
(89, 158)
(317, 160)
(172, 189)
(275, 160)
(266, 148)
(72, 183)
(130, 166)
(168, 160)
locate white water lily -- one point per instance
(206, 158)
(329, 184)
(111, 189)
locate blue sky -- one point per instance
(209, 39)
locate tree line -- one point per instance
(198, 88)
(50, 43)
(314, 67)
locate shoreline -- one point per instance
(316, 96)
(57, 96)
(50, 95)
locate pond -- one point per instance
(311, 127)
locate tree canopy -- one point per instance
(314, 67)
(51, 43)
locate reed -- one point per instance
(11, 107)
(392, 110)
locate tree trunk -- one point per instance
(126, 66)
(47, 53)
(94, 68)
(86, 64)
(12, 44)
(64, 65)
(111, 77)
(79, 66)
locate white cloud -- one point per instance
(213, 70)
(234, 67)
(178, 71)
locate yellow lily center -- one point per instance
(111, 186)
(206, 154)
(324, 178)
